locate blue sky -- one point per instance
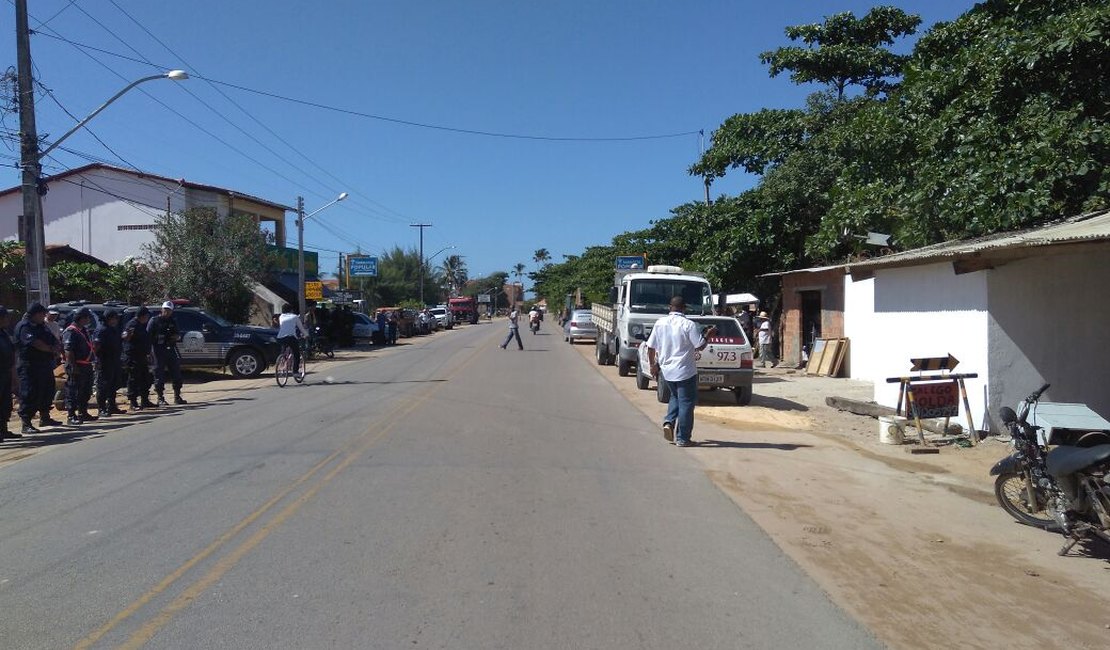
(555, 69)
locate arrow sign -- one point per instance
(934, 363)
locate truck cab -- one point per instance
(638, 299)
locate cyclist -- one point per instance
(290, 328)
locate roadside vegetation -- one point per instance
(994, 121)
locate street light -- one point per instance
(427, 261)
(38, 286)
(301, 218)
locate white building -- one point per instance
(109, 212)
(1020, 308)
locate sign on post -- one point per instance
(629, 262)
(314, 290)
(937, 400)
(483, 298)
(934, 363)
(362, 266)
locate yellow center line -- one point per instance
(382, 425)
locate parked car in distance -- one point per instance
(444, 316)
(66, 309)
(406, 320)
(365, 327)
(725, 363)
(579, 326)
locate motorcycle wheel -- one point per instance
(1010, 491)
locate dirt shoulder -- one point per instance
(912, 546)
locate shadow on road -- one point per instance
(764, 379)
(347, 382)
(781, 446)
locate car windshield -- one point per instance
(439, 310)
(726, 327)
(652, 296)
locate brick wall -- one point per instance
(830, 284)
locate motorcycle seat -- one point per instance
(1065, 461)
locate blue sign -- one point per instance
(362, 266)
(629, 262)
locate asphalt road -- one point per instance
(447, 494)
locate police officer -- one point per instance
(79, 361)
(136, 351)
(164, 337)
(107, 345)
(35, 368)
(8, 380)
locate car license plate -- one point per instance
(711, 378)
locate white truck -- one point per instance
(638, 299)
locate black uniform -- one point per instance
(108, 345)
(136, 352)
(79, 371)
(7, 362)
(163, 339)
(35, 369)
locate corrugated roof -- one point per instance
(1091, 227)
(199, 186)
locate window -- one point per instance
(654, 296)
(138, 226)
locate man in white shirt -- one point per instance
(289, 326)
(766, 351)
(514, 330)
(672, 349)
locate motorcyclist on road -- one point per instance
(534, 319)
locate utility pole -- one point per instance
(701, 146)
(421, 226)
(32, 233)
(300, 257)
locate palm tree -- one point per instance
(454, 273)
(541, 256)
(518, 270)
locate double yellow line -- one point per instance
(348, 453)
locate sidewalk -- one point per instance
(912, 546)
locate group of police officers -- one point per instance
(28, 360)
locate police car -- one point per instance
(726, 362)
(208, 341)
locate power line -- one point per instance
(404, 122)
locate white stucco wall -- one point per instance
(88, 210)
(924, 311)
(1050, 323)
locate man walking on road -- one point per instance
(672, 349)
(514, 330)
(765, 345)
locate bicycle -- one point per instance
(283, 369)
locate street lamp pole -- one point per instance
(33, 231)
(421, 226)
(301, 218)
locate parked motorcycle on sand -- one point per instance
(1066, 489)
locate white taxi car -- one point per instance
(725, 363)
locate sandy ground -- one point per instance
(912, 546)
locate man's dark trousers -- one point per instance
(36, 391)
(165, 360)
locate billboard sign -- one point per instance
(362, 266)
(630, 262)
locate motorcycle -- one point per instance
(1065, 489)
(534, 324)
(319, 345)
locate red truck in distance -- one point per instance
(464, 309)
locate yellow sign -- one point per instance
(314, 290)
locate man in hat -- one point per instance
(8, 380)
(107, 345)
(35, 368)
(164, 336)
(79, 359)
(766, 353)
(136, 352)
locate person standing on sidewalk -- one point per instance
(8, 380)
(514, 330)
(672, 355)
(107, 345)
(136, 352)
(79, 367)
(766, 353)
(38, 355)
(164, 336)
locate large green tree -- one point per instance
(210, 259)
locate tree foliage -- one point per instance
(209, 259)
(398, 281)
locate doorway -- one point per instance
(811, 319)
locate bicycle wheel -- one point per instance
(281, 369)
